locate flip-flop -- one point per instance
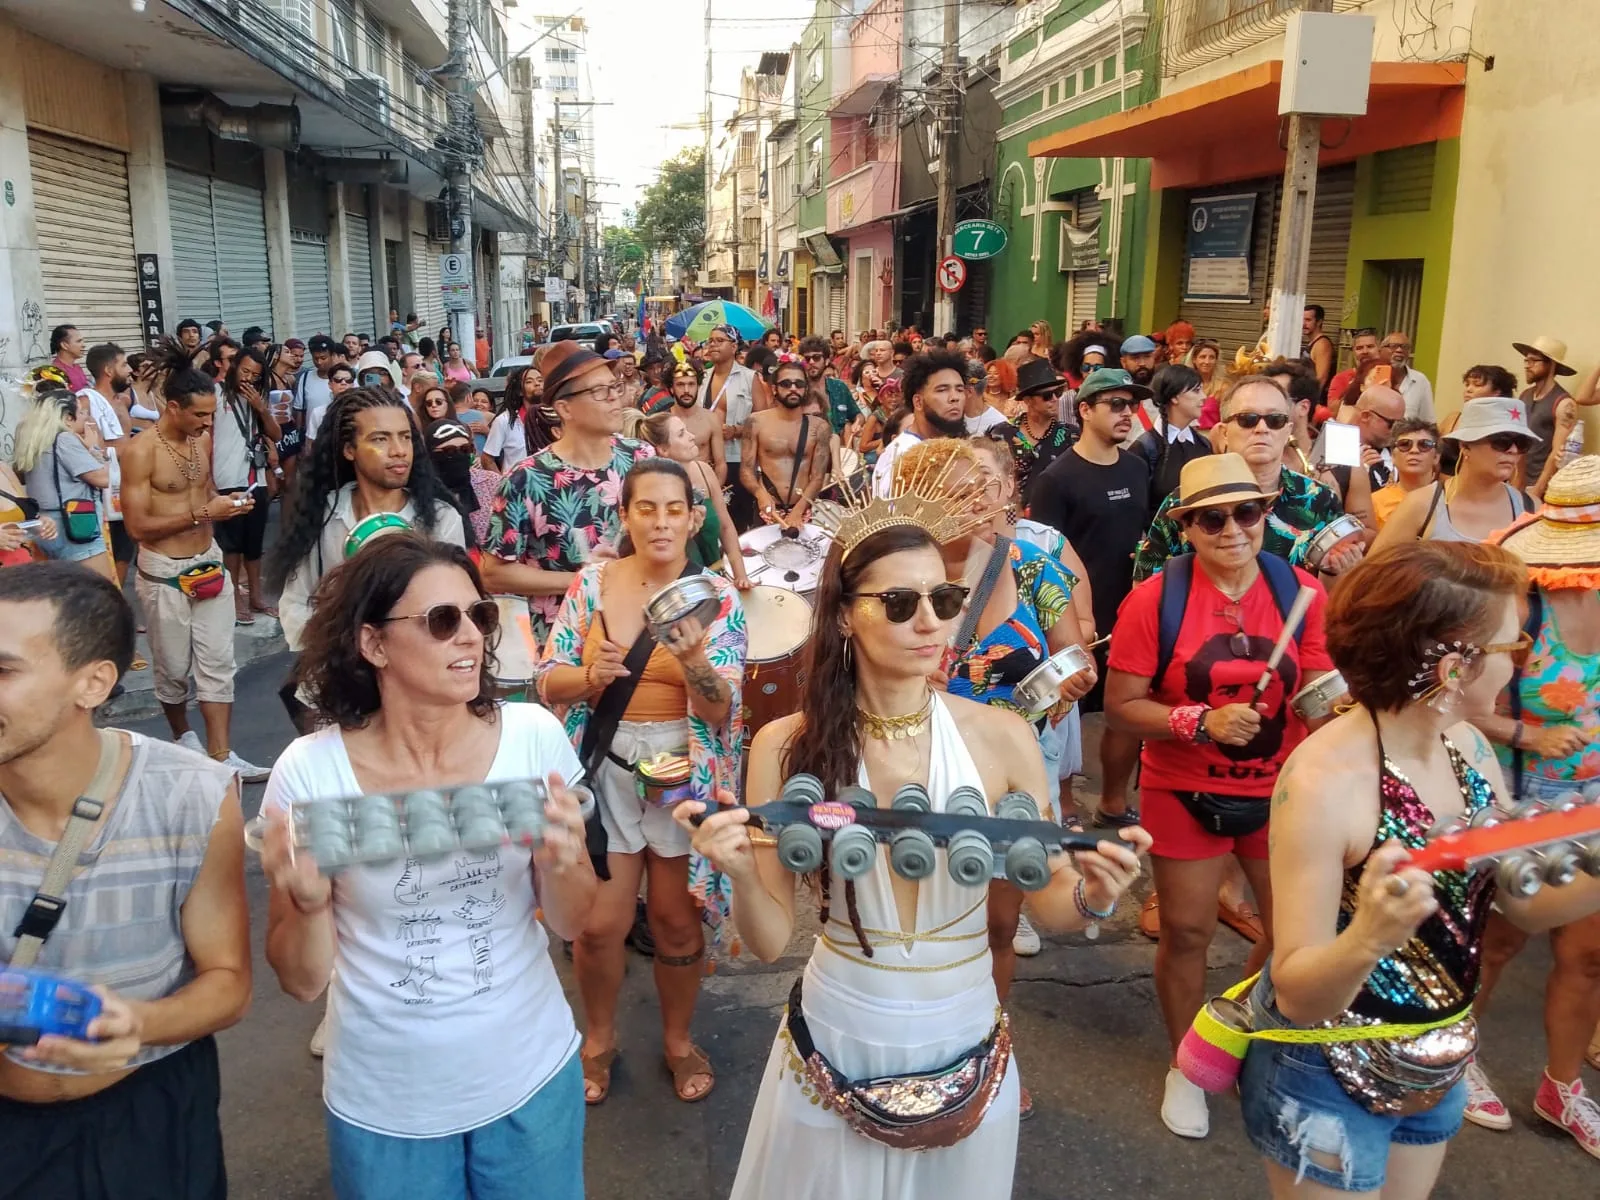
(244, 618)
(685, 1067)
(1243, 920)
(265, 610)
(1121, 820)
(597, 1070)
(1150, 917)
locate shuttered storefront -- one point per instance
(312, 302)
(1083, 287)
(85, 224)
(219, 238)
(358, 264)
(837, 319)
(425, 283)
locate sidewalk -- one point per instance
(250, 644)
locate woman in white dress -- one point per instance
(899, 980)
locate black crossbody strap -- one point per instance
(799, 457)
(980, 595)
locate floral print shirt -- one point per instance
(550, 514)
(1300, 512)
(714, 752)
(1033, 456)
(989, 670)
(1558, 687)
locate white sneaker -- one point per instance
(1026, 940)
(319, 1038)
(1183, 1107)
(248, 772)
(190, 740)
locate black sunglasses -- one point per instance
(1505, 443)
(789, 383)
(444, 619)
(1117, 404)
(1249, 420)
(815, 356)
(900, 604)
(1214, 520)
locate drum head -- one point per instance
(791, 554)
(779, 622)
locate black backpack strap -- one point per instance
(1433, 506)
(1514, 688)
(1176, 579)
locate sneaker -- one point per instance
(190, 740)
(1183, 1107)
(1483, 1106)
(1026, 940)
(248, 772)
(319, 1039)
(1565, 1105)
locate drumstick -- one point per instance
(1297, 612)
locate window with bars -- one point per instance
(747, 149)
(296, 12)
(376, 41)
(342, 28)
(563, 54)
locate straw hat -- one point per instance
(1490, 415)
(1547, 347)
(1216, 479)
(1561, 542)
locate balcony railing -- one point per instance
(1196, 32)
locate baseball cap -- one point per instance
(1111, 379)
(293, 344)
(613, 354)
(253, 335)
(1139, 344)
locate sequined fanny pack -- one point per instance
(926, 1111)
(1402, 1076)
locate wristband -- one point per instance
(1184, 722)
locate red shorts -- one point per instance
(1176, 834)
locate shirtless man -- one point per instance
(732, 391)
(169, 503)
(782, 474)
(701, 422)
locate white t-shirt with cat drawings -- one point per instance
(445, 1012)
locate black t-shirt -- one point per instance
(1103, 511)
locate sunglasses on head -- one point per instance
(900, 604)
(1249, 420)
(1423, 445)
(1214, 520)
(1507, 443)
(444, 619)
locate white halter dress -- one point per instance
(922, 1000)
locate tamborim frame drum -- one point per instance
(514, 648)
(692, 596)
(779, 622)
(1040, 689)
(1329, 538)
(1320, 697)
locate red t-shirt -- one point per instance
(1204, 671)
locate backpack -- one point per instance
(1176, 579)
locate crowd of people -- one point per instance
(465, 595)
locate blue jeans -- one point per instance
(1294, 1107)
(534, 1153)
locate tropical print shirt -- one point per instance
(989, 670)
(1300, 512)
(1558, 686)
(1033, 456)
(550, 514)
(842, 408)
(714, 752)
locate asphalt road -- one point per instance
(1088, 1039)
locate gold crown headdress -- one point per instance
(919, 495)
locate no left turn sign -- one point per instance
(952, 274)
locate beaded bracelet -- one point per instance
(1080, 900)
(1184, 721)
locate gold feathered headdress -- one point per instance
(920, 495)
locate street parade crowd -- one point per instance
(711, 603)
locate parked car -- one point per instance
(584, 332)
(506, 365)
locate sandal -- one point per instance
(1243, 920)
(1121, 820)
(597, 1071)
(686, 1067)
(1150, 917)
(265, 610)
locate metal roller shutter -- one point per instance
(312, 303)
(1330, 245)
(1083, 287)
(425, 283)
(836, 306)
(972, 301)
(85, 223)
(242, 274)
(194, 247)
(358, 259)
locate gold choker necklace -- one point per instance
(894, 729)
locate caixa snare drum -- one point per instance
(692, 596)
(1040, 689)
(1335, 534)
(1320, 697)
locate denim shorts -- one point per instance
(1294, 1108)
(63, 549)
(533, 1153)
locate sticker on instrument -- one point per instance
(830, 814)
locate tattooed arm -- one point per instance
(709, 694)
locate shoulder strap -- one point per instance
(44, 911)
(980, 596)
(799, 455)
(1514, 688)
(1433, 505)
(1176, 578)
(1285, 585)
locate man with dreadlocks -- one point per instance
(169, 504)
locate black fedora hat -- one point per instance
(1037, 375)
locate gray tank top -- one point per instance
(1442, 530)
(121, 926)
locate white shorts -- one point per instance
(631, 825)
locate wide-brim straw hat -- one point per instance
(1216, 479)
(1547, 347)
(1561, 542)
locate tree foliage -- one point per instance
(672, 212)
(623, 259)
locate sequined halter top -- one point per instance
(1435, 974)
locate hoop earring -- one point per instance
(849, 663)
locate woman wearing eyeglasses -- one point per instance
(452, 1058)
(1212, 751)
(683, 701)
(1415, 450)
(1423, 633)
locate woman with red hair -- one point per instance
(1180, 340)
(1001, 388)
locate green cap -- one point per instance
(1110, 379)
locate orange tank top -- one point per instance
(661, 693)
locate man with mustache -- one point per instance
(937, 386)
(785, 453)
(701, 422)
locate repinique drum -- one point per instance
(514, 648)
(370, 527)
(786, 562)
(1330, 537)
(779, 623)
(1320, 697)
(692, 596)
(1040, 689)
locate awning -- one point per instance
(861, 96)
(1229, 128)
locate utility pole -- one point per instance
(558, 221)
(461, 156)
(710, 184)
(948, 113)
(1293, 257)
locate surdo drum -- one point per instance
(779, 623)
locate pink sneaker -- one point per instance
(1565, 1105)
(1483, 1106)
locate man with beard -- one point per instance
(1549, 404)
(1406, 379)
(1140, 356)
(936, 385)
(1364, 348)
(108, 393)
(785, 453)
(832, 394)
(731, 391)
(189, 336)
(701, 422)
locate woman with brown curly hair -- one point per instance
(452, 1065)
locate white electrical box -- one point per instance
(1327, 64)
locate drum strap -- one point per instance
(980, 595)
(799, 457)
